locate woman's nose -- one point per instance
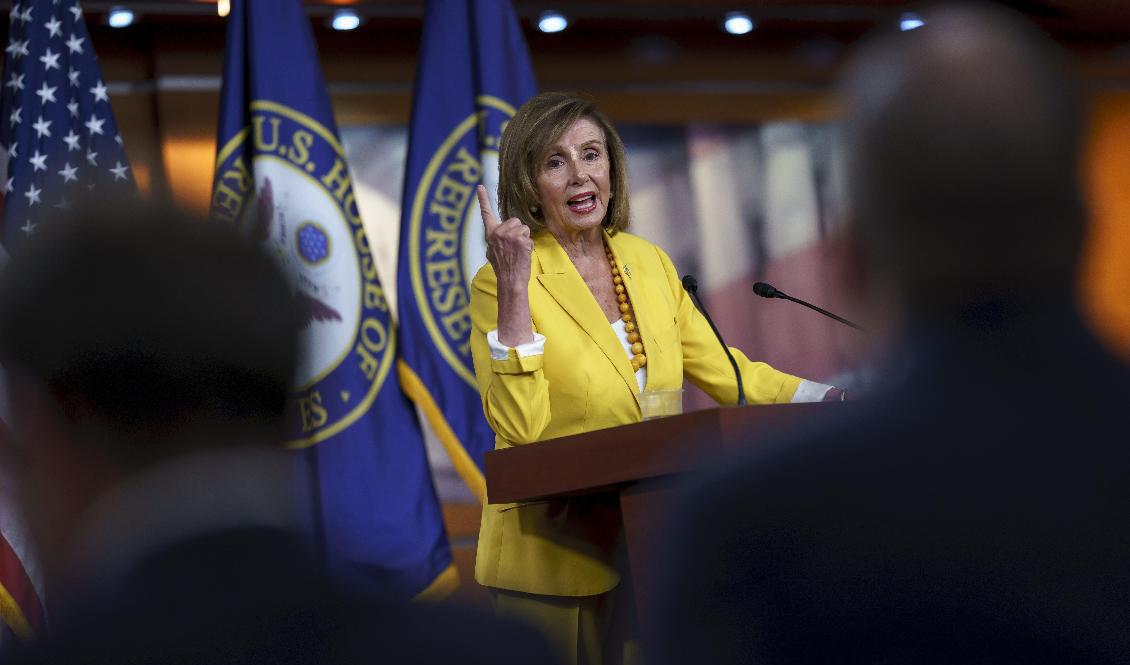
(577, 172)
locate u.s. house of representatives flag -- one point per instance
(281, 174)
(473, 73)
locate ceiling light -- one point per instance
(120, 17)
(738, 23)
(910, 21)
(552, 22)
(345, 19)
(223, 7)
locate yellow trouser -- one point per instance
(585, 630)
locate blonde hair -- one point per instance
(526, 141)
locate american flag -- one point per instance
(57, 131)
(58, 142)
(21, 610)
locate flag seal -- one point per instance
(300, 205)
(445, 238)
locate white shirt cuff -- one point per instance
(500, 351)
(810, 391)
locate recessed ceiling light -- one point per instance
(345, 19)
(738, 23)
(910, 21)
(552, 22)
(120, 17)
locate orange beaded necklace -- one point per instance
(638, 358)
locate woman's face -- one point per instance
(574, 181)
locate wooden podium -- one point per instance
(642, 463)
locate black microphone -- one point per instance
(691, 285)
(768, 291)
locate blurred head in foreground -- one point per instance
(963, 142)
(131, 337)
(972, 511)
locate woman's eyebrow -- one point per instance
(560, 149)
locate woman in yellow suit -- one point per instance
(573, 318)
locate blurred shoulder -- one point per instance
(407, 634)
(833, 450)
(322, 627)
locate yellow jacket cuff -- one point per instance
(516, 364)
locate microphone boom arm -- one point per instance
(691, 286)
(768, 291)
(822, 311)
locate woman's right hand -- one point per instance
(509, 246)
(509, 250)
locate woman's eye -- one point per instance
(553, 163)
(592, 155)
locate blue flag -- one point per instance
(473, 73)
(281, 174)
(56, 129)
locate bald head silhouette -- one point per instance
(963, 142)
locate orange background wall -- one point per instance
(1106, 284)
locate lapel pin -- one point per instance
(627, 270)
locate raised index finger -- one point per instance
(490, 221)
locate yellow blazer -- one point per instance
(585, 382)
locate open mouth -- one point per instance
(582, 203)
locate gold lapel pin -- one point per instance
(627, 270)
